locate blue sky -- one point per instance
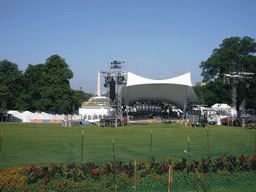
(156, 39)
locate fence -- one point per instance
(160, 141)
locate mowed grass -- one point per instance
(42, 144)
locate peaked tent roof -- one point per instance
(175, 90)
(133, 79)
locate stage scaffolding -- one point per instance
(114, 81)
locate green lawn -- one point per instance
(42, 144)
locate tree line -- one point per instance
(232, 51)
(41, 87)
(45, 87)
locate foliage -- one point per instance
(153, 176)
(33, 84)
(42, 87)
(56, 95)
(232, 50)
(85, 96)
(214, 92)
(9, 84)
(199, 91)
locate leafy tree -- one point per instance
(214, 92)
(42, 87)
(10, 86)
(232, 50)
(199, 91)
(85, 96)
(56, 94)
(33, 83)
(77, 100)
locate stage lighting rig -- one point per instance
(116, 64)
(115, 78)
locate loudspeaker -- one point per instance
(112, 89)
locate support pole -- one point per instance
(170, 178)
(114, 166)
(188, 149)
(254, 140)
(82, 148)
(188, 157)
(208, 150)
(151, 145)
(1, 141)
(135, 169)
(198, 176)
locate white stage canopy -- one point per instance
(174, 90)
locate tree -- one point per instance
(199, 91)
(10, 86)
(232, 50)
(85, 96)
(56, 94)
(33, 83)
(77, 100)
(42, 87)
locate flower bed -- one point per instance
(153, 176)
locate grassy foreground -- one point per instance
(42, 144)
(47, 144)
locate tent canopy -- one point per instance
(221, 105)
(174, 90)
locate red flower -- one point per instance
(95, 171)
(221, 157)
(254, 157)
(143, 161)
(245, 159)
(53, 165)
(104, 167)
(194, 165)
(32, 167)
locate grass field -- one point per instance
(42, 144)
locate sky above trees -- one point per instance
(156, 39)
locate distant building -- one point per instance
(94, 110)
(198, 84)
(93, 113)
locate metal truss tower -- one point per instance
(234, 78)
(114, 81)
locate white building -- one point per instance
(93, 113)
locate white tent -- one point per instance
(39, 115)
(57, 117)
(15, 116)
(33, 116)
(45, 116)
(221, 106)
(175, 90)
(224, 109)
(26, 116)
